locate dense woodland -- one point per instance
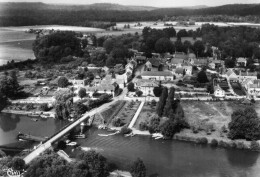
(22, 14)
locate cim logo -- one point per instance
(10, 172)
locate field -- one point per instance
(216, 113)
(147, 111)
(128, 111)
(112, 111)
(237, 88)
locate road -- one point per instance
(41, 148)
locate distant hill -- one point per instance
(22, 14)
(96, 6)
(109, 6)
(194, 7)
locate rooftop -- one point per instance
(177, 60)
(156, 73)
(248, 74)
(180, 55)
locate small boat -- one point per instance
(72, 144)
(156, 138)
(103, 135)
(34, 119)
(21, 139)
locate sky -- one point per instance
(155, 3)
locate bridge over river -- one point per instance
(47, 143)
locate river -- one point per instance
(166, 158)
(12, 124)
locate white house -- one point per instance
(157, 75)
(104, 88)
(218, 91)
(247, 75)
(78, 83)
(252, 87)
(146, 86)
(231, 76)
(241, 61)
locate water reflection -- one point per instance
(241, 158)
(9, 123)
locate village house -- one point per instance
(108, 80)
(219, 92)
(247, 75)
(157, 75)
(103, 88)
(140, 59)
(148, 66)
(129, 68)
(177, 62)
(191, 56)
(241, 61)
(146, 86)
(180, 55)
(231, 76)
(187, 68)
(155, 62)
(155, 55)
(253, 87)
(178, 72)
(78, 82)
(199, 62)
(213, 63)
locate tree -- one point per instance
(138, 168)
(64, 102)
(168, 129)
(162, 101)
(163, 45)
(139, 93)
(17, 164)
(50, 165)
(82, 93)
(131, 87)
(154, 124)
(44, 107)
(9, 86)
(56, 45)
(63, 82)
(169, 102)
(3, 101)
(61, 145)
(97, 163)
(157, 91)
(202, 77)
(198, 47)
(79, 108)
(230, 63)
(244, 124)
(182, 33)
(109, 45)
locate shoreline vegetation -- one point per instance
(213, 141)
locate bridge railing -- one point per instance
(63, 128)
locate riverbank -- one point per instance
(19, 112)
(203, 138)
(216, 141)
